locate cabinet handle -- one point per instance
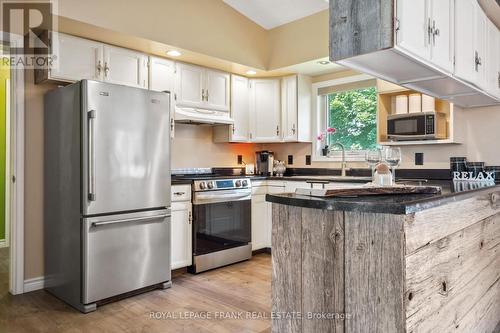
(206, 96)
(435, 32)
(278, 130)
(430, 30)
(179, 193)
(478, 61)
(106, 69)
(99, 67)
(498, 79)
(293, 129)
(190, 218)
(202, 94)
(233, 129)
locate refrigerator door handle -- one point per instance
(91, 155)
(145, 218)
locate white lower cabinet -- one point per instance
(262, 212)
(181, 227)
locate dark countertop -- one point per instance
(390, 204)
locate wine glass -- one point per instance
(392, 156)
(373, 157)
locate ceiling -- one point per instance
(273, 13)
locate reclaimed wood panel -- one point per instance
(323, 268)
(433, 224)
(447, 278)
(287, 270)
(374, 272)
(360, 26)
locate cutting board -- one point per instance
(369, 190)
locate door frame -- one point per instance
(16, 178)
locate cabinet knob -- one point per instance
(278, 130)
(99, 67)
(106, 69)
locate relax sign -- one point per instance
(469, 176)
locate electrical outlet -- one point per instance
(419, 158)
(308, 159)
(240, 159)
(290, 159)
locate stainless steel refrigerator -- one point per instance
(106, 192)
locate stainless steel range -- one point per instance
(221, 222)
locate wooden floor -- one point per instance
(241, 289)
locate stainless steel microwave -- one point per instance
(417, 126)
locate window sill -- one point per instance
(337, 157)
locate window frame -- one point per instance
(320, 120)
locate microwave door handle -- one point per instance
(91, 115)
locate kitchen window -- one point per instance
(346, 114)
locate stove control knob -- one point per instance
(245, 183)
(238, 183)
(203, 185)
(210, 185)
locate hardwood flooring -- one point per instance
(243, 289)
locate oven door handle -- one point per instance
(219, 197)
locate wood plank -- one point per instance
(451, 263)
(374, 272)
(323, 268)
(359, 27)
(287, 270)
(433, 224)
(369, 191)
(447, 278)
(485, 316)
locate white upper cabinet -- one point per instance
(161, 74)
(412, 27)
(123, 66)
(493, 64)
(76, 59)
(240, 108)
(424, 28)
(190, 88)
(471, 52)
(217, 90)
(289, 107)
(441, 33)
(265, 110)
(199, 87)
(296, 108)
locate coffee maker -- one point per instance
(264, 163)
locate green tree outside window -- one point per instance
(354, 116)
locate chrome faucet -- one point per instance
(344, 163)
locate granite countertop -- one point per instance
(390, 204)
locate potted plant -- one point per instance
(323, 138)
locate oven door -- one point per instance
(221, 220)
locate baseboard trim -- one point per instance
(3, 243)
(34, 284)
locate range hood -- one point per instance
(202, 116)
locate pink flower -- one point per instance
(331, 130)
(320, 137)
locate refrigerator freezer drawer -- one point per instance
(122, 253)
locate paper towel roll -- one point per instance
(415, 103)
(428, 103)
(401, 104)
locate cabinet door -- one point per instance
(260, 223)
(442, 36)
(480, 37)
(289, 108)
(217, 90)
(161, 74)
(465, 22)
(240, 108)
(493, 60)
(181, 251)
(265, 110)
(77, 58)
(414, 20)
(126, 67)
(189, 83)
